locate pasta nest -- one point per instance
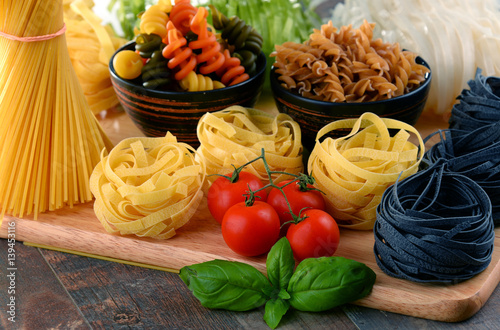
(148, 187)
(90, 46)
(354, 171)
(236, 135)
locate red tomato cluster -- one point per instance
(251, 228)
(224, 192)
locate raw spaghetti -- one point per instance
(49, 139)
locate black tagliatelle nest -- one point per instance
(435, 226)
(474, 154)
(438, 225)
(471, 146)
(479, 106)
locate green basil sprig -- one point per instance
(316, 285)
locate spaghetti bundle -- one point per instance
(50, 140)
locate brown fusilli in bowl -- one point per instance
(313, 114)
(342, 73)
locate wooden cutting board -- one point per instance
(77, 229)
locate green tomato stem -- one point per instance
(302, 179)
(251, 196)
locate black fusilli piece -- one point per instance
(146, 44)
(155, 73)
(246, 40)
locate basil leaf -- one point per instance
(280, 264)
(319, 284)
(283, 294)
(229, 285)
(274, 311)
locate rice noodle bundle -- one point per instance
(454, 36)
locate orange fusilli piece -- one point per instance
(180, 56)
(232, 72)
(207, 42)
(181, 14)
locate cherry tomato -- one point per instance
(316, 236)
(224, 193)
(297, 197)
(251, 230)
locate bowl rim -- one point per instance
(276, 87)
(163, 94)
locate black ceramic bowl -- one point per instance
(156, 112)
(312, 115)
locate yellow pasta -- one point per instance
(148, 187)
(90, 46)
(197, 82)
(50, 140)
(236, 135)
(354, 171)
(155, 18)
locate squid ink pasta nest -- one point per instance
(474, 154)
(435, 226)
(479, 105)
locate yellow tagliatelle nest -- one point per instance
(90, 46)
(237, 135)
(148, 186)
(355, 170)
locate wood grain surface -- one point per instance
(35, 294)
(68, 291)
(78, 229)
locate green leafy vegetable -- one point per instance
(230, 285)
(274, 311)
(319, 284)
(127, 13)
(280, 264)
(277, 21)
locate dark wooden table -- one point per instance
(55, 290)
